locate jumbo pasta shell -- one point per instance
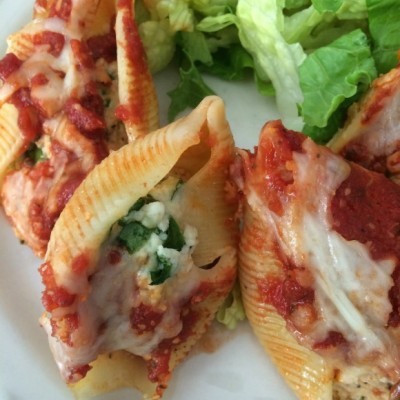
(138, 100)
(108, 193)
(113, 371)
(83, 13)
(60, 95)
(306, 372)
(210, 187)
(295, 254)
(11, 140)
(49, 189)
(122, 369)
(111, 189)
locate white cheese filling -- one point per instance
(119, 287)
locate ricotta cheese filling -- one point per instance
(134, 274)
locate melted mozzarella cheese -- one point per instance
(40, 61)
(117, 288)
(351, 288)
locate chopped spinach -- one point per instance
(175, 239)
(163, 271)
(133, 236)
(35, 154)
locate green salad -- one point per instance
(315, 56)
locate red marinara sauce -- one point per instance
(54, 40)
(285, 294)
(54, 296)
(144, 318)
(29, 119)
(137, 56)
(103, 46)
(61, 9)
(275, 150)
(366, 208)
(9, 64)
(158, 364)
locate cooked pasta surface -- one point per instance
(62, 109)
(130, 267)
(324, 264)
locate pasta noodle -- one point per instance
(64, 105)
(318, 267)
(133, 275)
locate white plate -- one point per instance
(238, 369)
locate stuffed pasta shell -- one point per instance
(61, 110)
(142, 257)
(319, 267)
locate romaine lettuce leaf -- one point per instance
(295, 5)
(318, 25)
(230, 64)
(194, 44)
(384, 17)
(335, 122)
(333, 73)
(327, 5)
(288, 45)
(261, 26)
(232, 311)
(213, 7)
(158, 42)
(189, 92)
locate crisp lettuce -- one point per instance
(314, 28)
(327, 5)
(196, 47)
(231, 64)
(261, 26)
(178, 12)
(213, 7)
(190, 91)
(232, 311)
(334, 73)
(384, 17)
(286, 45)
(159, 43)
